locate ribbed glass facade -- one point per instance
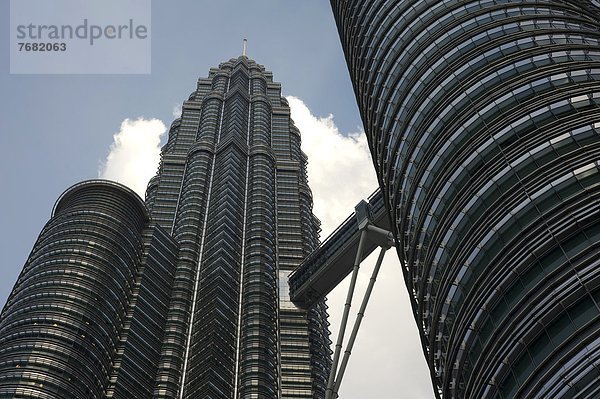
(61, 329)
(184, 296)
(232, 190)
(483, 119)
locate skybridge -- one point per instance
(341, 253)
(328, 265)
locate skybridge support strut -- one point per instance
(385, 240)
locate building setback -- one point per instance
(483, 120)
(184, 296)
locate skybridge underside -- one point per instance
(328, 265)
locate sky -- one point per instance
(56, 130)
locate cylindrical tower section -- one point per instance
(318, 326)
(295, 144)
(60, 327)
(212, 343)
(260, 121)
(483, 119)
(258, 82)
(220, 82)
(188, 231)
(258, 375)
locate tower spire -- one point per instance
(244, 47)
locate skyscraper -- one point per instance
(184, 296)
(483, 120)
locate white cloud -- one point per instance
(176, 110)
(340, 171)
(134, 154)
(387, 355)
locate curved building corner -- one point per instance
(483, 119)
(60, 328)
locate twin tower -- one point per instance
(483, 120)
(185, 295)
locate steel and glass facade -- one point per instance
(483, 119)
(233, 192)
(64, 326)
(185, 296)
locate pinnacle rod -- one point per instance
(359, 317)
(340, 339)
